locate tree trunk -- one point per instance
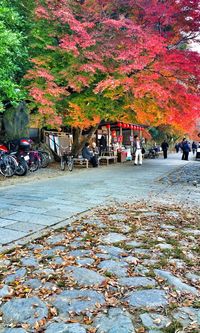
(80, 139)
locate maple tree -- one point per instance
(115, 59)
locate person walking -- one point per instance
(177, 147)
(194, 147)
(164, 147)
(186, 149)
(137, 147)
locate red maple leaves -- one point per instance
(117, 48)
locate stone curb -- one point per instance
(167, 174)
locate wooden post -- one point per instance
(109, 141)
(120, 133)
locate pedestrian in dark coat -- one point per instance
(177, 146)
(194, 147)
(186, 149)
(164, 147)
(103, 144)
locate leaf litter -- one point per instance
(147, 225)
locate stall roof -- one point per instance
(124, 125)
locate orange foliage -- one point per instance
(77, 118)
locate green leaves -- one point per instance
(13, 54)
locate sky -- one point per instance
(195, 46)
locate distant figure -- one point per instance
(164, 147)
(137, 146)
(177, 147)
(186, 149)
(194, 147)
(95, 150)
(88, 155)
(102, 143)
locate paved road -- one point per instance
(28, 209)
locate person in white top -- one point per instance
(137, 145)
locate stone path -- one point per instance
(29, 208)
(129, 268)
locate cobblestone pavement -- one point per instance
(189, 174)
(128, 267)
(121, 269)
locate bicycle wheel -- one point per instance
(22, 168)
(34, 161)
(62, 163)
(44, 156)
(34, 166)
(8, 166)
(70, 164)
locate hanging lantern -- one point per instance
(119, 124)
(123, 125)
(128, 126)
(108, 126)
(113, 134)
(132, 127)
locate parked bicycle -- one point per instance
(61, 148)
(7, 162)
(35, 158)
(67, 160)
(22, 147)
(21, 164)
(15, 162)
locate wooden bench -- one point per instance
(106, 160)
(81, 162)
